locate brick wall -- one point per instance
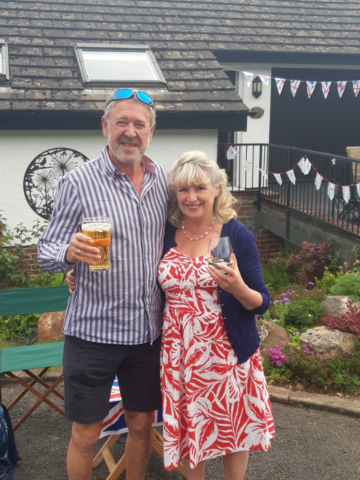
(31, 260)
(267, 242)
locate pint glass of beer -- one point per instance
(99, 229)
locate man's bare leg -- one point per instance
(138, 443)
(81, 450)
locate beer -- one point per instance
(99, 229)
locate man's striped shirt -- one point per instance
(121, 305)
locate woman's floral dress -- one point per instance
(212, 406)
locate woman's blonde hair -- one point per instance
(197, 167)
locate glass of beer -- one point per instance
(220, 250)
(99, 229)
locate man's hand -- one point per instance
(80, 250)
(70, 280)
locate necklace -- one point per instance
(202, 236)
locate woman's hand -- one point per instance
(70, 280)
(230, 279)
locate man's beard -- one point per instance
(127, 159)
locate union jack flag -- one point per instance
(356, 87)
(310, 87)
(326, 88)
(114, 423)
(279, 84)
(294, 85)
(341, 87)
(248, 77)
(265, 80)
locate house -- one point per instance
(60, 59)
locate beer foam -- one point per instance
(96, 227)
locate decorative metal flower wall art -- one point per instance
(43, 175)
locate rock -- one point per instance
(329, 342)
(300, 387)
(270, 335)
(335, 305)
(50, 326)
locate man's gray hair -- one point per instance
(110, 103)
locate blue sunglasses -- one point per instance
(125, 93)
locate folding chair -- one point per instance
(31, 357)
(114, 425)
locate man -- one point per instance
(112, 323)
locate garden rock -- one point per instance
(50, 326)
(270, 335)
(329, 342)
(335, 305)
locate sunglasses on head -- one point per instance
(125, 93)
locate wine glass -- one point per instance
(220, 252)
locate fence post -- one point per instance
(287, 224)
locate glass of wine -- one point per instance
(220, 252)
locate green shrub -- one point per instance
(19, 329)
(302, 313)
(277, 312)
(347, 285)
(328, 280)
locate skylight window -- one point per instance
(106, 64)
(4, 63)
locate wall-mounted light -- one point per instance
(256, 87)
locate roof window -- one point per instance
(4, 61)
(115, 64)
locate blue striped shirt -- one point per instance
(121, 305)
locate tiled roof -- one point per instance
(182, 35)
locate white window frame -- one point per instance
(4, 73)
(80, 47)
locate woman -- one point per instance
(215, 399)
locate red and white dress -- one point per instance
(212, 406)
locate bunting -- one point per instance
(310, 87)
(310, 84)
(305, 166)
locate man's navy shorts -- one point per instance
(89, 372)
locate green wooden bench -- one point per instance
(41, 356)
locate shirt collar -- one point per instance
(110, 168)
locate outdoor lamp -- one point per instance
(257, 87)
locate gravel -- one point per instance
(309, 444)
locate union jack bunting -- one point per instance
(346, 193)
(326, 88)
(291, 175)
(294, 85)
(265, 80)
(331, 190)
(247, 166)
(356, 87)
(264, 173)
(318, 181)
(341, 87)
(358, 189)
(310, 87)
(231, 153)
(248, 78)
(114, 423)
(305, 165)
(279, 84)
(278, 178)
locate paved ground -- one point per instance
(309, 445)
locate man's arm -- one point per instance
(62, 245)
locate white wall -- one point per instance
(19, 148)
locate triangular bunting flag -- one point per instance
(294, 85)
(265, 80)
(247, 166)
(310, 87)
(326, 88)
(331, 191)
(358, 189)
(248, 78)
(346, 193)
(264, 173)
(356, 87)
(341, 87)
(333, 161)
(231, 153)
(278, 178)
(279, 84)
(318, 180)
(305, 165)
(291, 175)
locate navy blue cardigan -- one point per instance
(240, 323)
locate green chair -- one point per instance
(27, 358)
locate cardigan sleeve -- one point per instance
(248, 260)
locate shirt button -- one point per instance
(224, 318)
(222, 304)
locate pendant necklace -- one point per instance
(198, 238)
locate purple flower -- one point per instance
(311, 346)
(311, 283)
(286, 301)
(278, 363)
(283, 294)
(306, 290)
(276, 301)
